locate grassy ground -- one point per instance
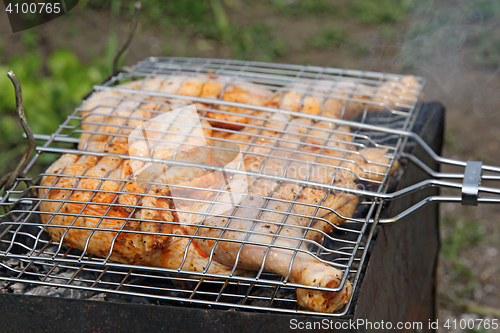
(454, 44)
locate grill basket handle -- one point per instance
(470, 186)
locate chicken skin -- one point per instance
(198, 186)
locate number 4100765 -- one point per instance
(472, 324)
(34, 8)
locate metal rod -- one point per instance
(436, 174)
(133, 28)
(432, 199)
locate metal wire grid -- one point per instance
(360, 139)
(44, 262)
(280, 76)
(351, 86)
(146, 282)
(346, 250)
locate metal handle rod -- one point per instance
(429, 200)
(446, 175)
(385, 196)
(470, 187)
(472, 175)
(445, 160)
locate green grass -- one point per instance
(380, 11)
(451, 140)
(462, 234)
(468, 28)
(47, 97)
(207, 19)
(458, 236)
(192, 16)
(305, 7)
(487, 52)
(256, 42)
(327, 38)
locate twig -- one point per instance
(27, 129)
(453, 303)
(135, 22)
(8, 180)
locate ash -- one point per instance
(11, 268)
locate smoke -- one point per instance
(456, 46)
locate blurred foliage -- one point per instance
(439, 31)
(380, 11)
(257, 43)
(247, 42)
(327, 38)
(207, 19)
(462, 235)
(305, 7)
(50, 92)
(488, 49)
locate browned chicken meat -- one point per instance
(345, 98)
(203, 190)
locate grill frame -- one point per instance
(57, 313)
(367, 227)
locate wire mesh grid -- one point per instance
(305, 141)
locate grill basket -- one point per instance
(386, 106)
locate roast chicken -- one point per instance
(197, 185)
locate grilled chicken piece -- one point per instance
(113, 231)
(256, 214)
(302, 152)
(132, 210)
(398, 92)
(335, 156)
(321, 152)
(113, 115)
(238, 91)
(272, 239)
(346, 98)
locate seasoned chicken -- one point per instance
(321, 152)
(114, 231)
(345, 98)
(115, 114)
(203, 190)
(272, 241)
(238, 91)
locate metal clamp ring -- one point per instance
(470, 185)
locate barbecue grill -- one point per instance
(34, 264)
